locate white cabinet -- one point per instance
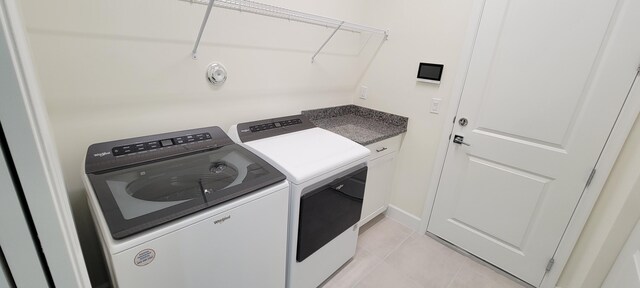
(379, 178)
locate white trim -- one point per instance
(25, 122)
(16, 239)
(610, 152)
(5, 275)
(372, 215)
(428, 81)
(590, 196)
(609, 155)
(403, 217)
(456, 94)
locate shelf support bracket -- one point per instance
(194, 54)
(313, 58)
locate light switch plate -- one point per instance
(435, 105)
(363, 92)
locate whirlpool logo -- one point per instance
(219, 221)
(101, 154)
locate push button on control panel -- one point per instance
(166, 142)
(139, 147)
(179, 140)
(153, 145)
(117, 151)
(127, 149)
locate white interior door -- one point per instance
(537, 122)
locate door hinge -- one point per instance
(593, 173)
(550, 264)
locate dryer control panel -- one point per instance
(255, 130)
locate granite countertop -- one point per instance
(360, 124)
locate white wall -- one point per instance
(610, 223)
(121, 68)
(421, 31)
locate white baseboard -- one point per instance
(404, 217)
(373, 215)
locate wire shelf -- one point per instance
(281, 13)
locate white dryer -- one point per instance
(327, 175)
(188, 209)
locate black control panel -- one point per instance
(255, 130)
(152, 145)
(273, 125)
(132, 151)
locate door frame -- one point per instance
(34, 155)
(20, 249)
(604, 165)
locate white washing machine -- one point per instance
(327, 174)
(188, 209)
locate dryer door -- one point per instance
(328, 211)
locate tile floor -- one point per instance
(392, 255)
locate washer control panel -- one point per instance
(152, 145)
(133, 151)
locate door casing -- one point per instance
(25, 123)
(628, 114)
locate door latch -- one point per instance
(460, 140)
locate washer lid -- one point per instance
(170, 176)
(307, 154)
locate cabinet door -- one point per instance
(378, 187)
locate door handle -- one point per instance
(460, 140)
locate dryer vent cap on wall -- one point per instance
(216, 74)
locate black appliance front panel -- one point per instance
(328, 211)
(138, 197)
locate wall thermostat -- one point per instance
(430, 73)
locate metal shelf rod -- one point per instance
(281, 13)
(204, 24)
(313, 58)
